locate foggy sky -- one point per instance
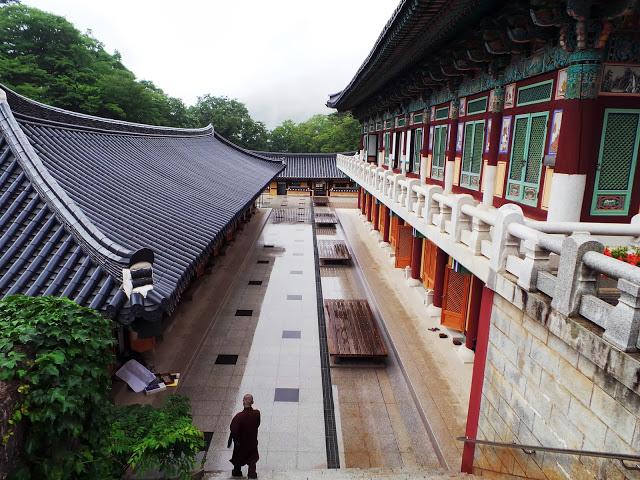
(281, 58)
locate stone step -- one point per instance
(351, 474)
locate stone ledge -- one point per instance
(579, 333)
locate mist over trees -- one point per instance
(44, 57)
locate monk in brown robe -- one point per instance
(244, 434)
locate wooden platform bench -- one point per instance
(333, 251)
(352, 332)
(325, 218)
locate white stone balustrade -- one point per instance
(561, 260)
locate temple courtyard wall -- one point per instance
(553, 381)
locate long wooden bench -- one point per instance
(352, 331)
(333, 251)
(322, 218)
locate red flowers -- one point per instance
(623, 254)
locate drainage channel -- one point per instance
(348, 282)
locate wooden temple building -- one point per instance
(499, 138)
(310, 174)
(119, 217)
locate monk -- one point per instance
(244, 434)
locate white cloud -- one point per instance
(281, 57)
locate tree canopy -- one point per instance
(44, 57)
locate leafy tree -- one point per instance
(232, 120)
(54, 357)
(43, 56)
(321, 133)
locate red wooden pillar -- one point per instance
(387, 224)
(376, 215)
(369, 207)
(474, 312)
(360, 198)
(477, 379)
(416, 255)
(363, 205)
(441, 265)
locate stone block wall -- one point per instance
(552, 381)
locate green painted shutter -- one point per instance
(417, 146)
(472, 154)
(616, 162)
(527, 151)
(387, 147)
(439, 150)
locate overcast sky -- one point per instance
(281, 57)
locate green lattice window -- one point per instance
(535, 93)
(442, 113)
(401, 122)
(472, 154)
(417, 118)
(416, 146)
(616, 162)
(439, 149)
(387, 147)
(388, 124)
(479, 105)
(527, 151)
(378, 125)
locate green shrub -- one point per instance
(58, 353)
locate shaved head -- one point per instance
(247, 400)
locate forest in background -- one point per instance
(44, 57)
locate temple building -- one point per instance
(119, 217)
(498, 162)
(310, 174)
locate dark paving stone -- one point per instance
(268, 246)
(226, 359)
(287, 395)
(263, 262)
(255, 282)
(291, 334)
(294, 297)
(244, 313)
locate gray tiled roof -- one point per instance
(307, 166)
(81, 198)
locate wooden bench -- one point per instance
(323, 218)
(352, 331)
(333, 251)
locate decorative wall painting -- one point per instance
(509, 95)
(505, 131)
(463, 107)
(492, 101)
(431, 137)
(487, 142)
(556, 122)
(561, 85)
(459, 137)
(620, 79)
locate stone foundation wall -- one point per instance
(552, 381)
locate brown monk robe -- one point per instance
(244, 433)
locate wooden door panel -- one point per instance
(403, 246)
(455, 299)
(428, 272)
(393, 234)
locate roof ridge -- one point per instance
(128, 127)
(301, 153)
(69, 214)
(252, 153)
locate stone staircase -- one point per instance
(351, 474)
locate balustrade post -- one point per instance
(622, 327)
(445, 215)
(503, 243)
(411, 194)
(480, 231)
(395, 193)
(418, 206)
(459, 221)
(536, 259)
(574, 278)
(431, 206)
